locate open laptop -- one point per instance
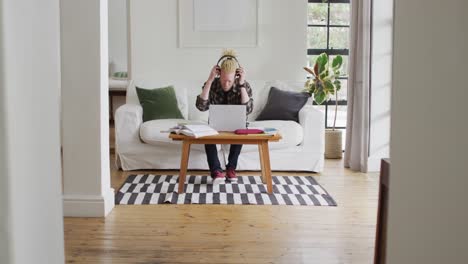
(227, 117)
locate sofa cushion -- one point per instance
(180, 88)
(262, 91)
(283, 105)
(118, 84)
(291, 132)
(150, 133)
(159, 103)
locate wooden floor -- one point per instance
(234, 233)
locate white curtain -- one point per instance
(357, 130)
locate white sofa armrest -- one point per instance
(312, 121)
(128, 119)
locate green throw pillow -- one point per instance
(159, 103)
(121, 75)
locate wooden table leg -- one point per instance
(266, 168)
(262, 167)
(184, 165)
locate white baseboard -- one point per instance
(88, 205)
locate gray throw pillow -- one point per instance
(283, 105)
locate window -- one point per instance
(328, 31)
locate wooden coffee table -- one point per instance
(229, 138)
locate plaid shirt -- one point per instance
(231, 97)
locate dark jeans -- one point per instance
(212, 156)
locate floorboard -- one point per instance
(234, 233)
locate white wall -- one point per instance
(118, 34)
(5, 237)
(428, 213)
(31, 223)
(382, 38)
(86, 164)
(155, 53)
(281, 54)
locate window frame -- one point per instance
(329, 51)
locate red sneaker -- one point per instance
(231, 174)
(218, 177)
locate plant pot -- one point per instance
(333, 144)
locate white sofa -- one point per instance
(141, 145)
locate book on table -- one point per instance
(266, 130)
(193, 130)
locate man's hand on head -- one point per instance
(215, 71)
(241, 72)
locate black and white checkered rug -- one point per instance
(160, 189)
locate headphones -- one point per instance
(229, 57)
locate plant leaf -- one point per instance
(337, 84)
(312, 88)
(318, 84)
(337, 62)
(319, 96)
(309, 86)
(324, 74)
(329, 88)
(322, 61)
(328, 85)
(325, 83)
(309, 70)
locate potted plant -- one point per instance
(322, 86)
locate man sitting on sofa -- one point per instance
(225, 85)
